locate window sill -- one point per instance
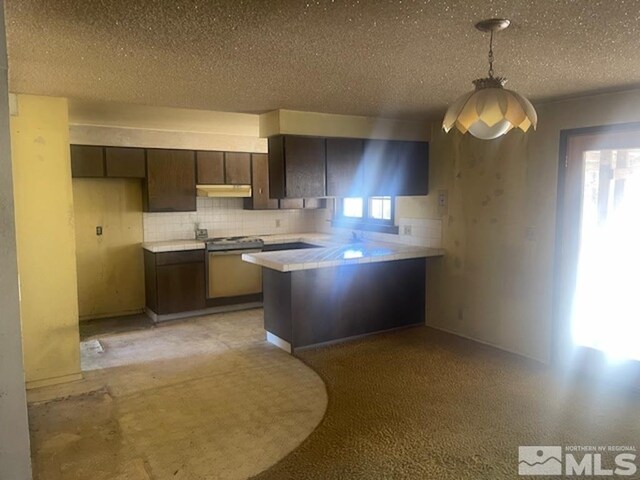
(366, 226)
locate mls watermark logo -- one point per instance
(540, 460)
(603, 461)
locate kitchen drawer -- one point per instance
(173, 258)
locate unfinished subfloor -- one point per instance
(204, 398)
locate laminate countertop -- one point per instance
(334, 254)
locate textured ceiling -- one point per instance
(370, 57)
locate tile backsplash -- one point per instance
(421, 232)
(225, 217)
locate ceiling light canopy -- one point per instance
(490, 110)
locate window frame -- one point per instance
(366, 222)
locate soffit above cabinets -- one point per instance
(290, 122)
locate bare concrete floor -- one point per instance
(205, 398)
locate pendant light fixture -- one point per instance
(490, 110)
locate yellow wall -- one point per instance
(110, 266)
(496, 282)
(45, 239)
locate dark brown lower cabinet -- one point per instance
(175, 281)
(307, 307)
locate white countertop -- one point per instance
(338, 254)
(331, 251)
(321, 239)
(173, 246)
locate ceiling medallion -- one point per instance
(490, 110)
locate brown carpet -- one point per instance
(423, 404)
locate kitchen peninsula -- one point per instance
(330, 293)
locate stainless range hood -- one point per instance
(238, 191)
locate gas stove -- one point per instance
(233, 243)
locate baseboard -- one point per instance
(278, 342)
(489, 344)
(198, 313)
(357, 337)
(86, 318)
(46, 382)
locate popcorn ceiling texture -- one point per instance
(383, 58)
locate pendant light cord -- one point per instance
(491, 55)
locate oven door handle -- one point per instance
(233, 252)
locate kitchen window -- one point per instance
(371, 213)
(380, 208)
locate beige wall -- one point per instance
(98, 123)
(496, 282)
(110, 266)
(45, 239)
(330, 125)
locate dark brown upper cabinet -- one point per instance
(223, 168)
(87, 161)
(413, 163)
(260, 199)
(345, 176)
(297, 166)
(125, 162)
(210, 167)
(380, 168)
(170, 185)
(114, 162)
(395, 168)
(237, 168)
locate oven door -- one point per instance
(229, 276)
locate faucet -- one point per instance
(355, 237)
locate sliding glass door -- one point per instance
(599, 255)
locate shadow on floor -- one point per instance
(107, 326)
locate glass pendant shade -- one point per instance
(489, 112)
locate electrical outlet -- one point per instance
(277, 223)
(530, 233)
(442, 198)
(406, 230)
(98, 230)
